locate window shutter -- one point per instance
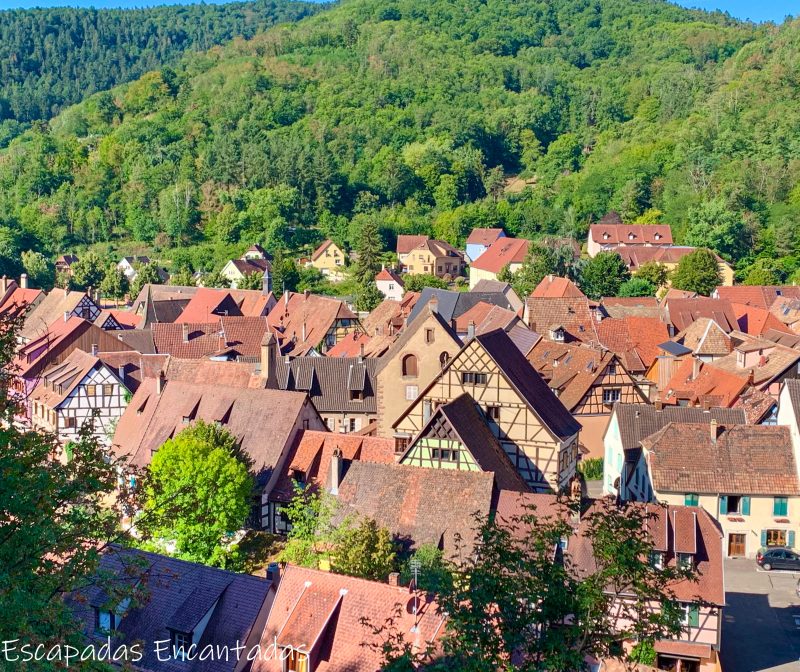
(791, 539)
(694, 616)
(745, 506)
(723, 505)
(764, 538)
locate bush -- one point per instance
(591, 468)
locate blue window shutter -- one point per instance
(723, 505)
(763, 537)
(694, 616)
(791, 539)
(745, 506)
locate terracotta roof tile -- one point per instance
(406, 243)
(631, 234)
(59, 380)
(502, 252)
(741, 460)
(634, 339)
(20, 300)
(483, 236)
(759, 296)
(701, 383)
(388, 275)
(356, 344)
(575, 315)
(321, 249)
(755, 321)
(232, 337)
(303, 320)
(706, 337)
(48, 311)
(314, 606)
(638, 306)
(552, 286)
(682, 312)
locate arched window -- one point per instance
(444, 358)
(410, 366)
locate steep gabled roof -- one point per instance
(756, 321)
(60, 380)
(208, 304)
(553, 286)
(321, 249)
(483, 236)
(631, 234)
(502, 252)
(453, 304)
(49, 310)
(758, 296)
(302, 319)
(468, 426)
(574, 314)
(406, 243)
(682, 312)
(232, 337)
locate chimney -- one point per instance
(23, 281)
(659, 405)
(426, 410)
(4, 284)
(471, 330)
(433, 304)
(268, 348)
(66, 316)
(185, 328)
(336, 470)
(713, 428)
(304, 331)
(696, 364)
(361, 353)
(266, 284)
(161, 381)
(394, 579)
(306, 294)
(274, 572)
(95, 350)
(286, 300)
(121, 372)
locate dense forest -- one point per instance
(52, 58)
(410, 115)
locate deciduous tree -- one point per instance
(697, 272)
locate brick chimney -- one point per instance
(23, 281)
(336, 471)
(394, 579)
(713, 429)
(471, 330)
(161, 381)
(269, 346)
(185, 330)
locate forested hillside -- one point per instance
(51, 58)
(412, 113)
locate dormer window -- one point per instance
(105, 621)
(294, 660)
(657, 236)
(657, 559)
(631, 236)
(606, 236)
(180, 641)
(356, 395)
(557, 335)
(685, 560)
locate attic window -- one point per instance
(657, 236)
(181, 641)
(557, 334)
(105, 621)
(473, 378)
(685, 560)
(295, 661)
(631, 236)
(606, 236)
(657, 559)
(356, 395)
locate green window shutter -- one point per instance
(745, 506)
(780, 506)
(694, 616)
(790, 539)
(691, 499)
(763, 538)
(723, 505)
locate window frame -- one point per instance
(616, 392)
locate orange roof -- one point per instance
(406, 243)
(711, 386)
(502, 252)
(389, 275)
(318, 252)
(18, 300)
(554, 286)
(305, 319)
(484, 236)
(126, 318)
(760, 296)
(30, 354)
(631, 234)
(351, 344)
(756, 321)
(633, 338)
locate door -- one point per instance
(736, 545)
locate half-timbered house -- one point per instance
(588, 382)
(79, 392)
(535, 430)
(458, 437)
(60, 303)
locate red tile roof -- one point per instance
(125, 318)
(575, 315)
(740, 459)
(206, 304)
(352, 345)
(388, 275)
(315, 610)
(554, 286)
(34, 353)
(502, 252)
(406, 243)
(235, 337)
(305, 319)
(635, 256)
(711, 386)
(483, 236)
(759, 296)
(631, 234)
(634, 339)
(18, 301)
(311, 457)
(682, 312)
(321, 249)
(756, 321)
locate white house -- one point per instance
(390, 284)
(80, 389)
(128, 266)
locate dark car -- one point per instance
(778, 558)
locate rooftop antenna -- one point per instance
(415, 565)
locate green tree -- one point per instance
(416, 282)
(198, 492)
(251, 281)
(146, 274)
(368, 297)
(763, 272)
(183, 278)
(39, 269)
(310, 536)
(115, 283)
(697, 272)
(285, 274)
(603, 275)
(216, 280)
(59, 516)
(653, 272)
(368, 247)
(363, 549)
(513, 585)
(539, 262)
(713, 225)
(637, 287)
(434, 573)
(88, 271)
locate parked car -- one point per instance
(778, 558)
